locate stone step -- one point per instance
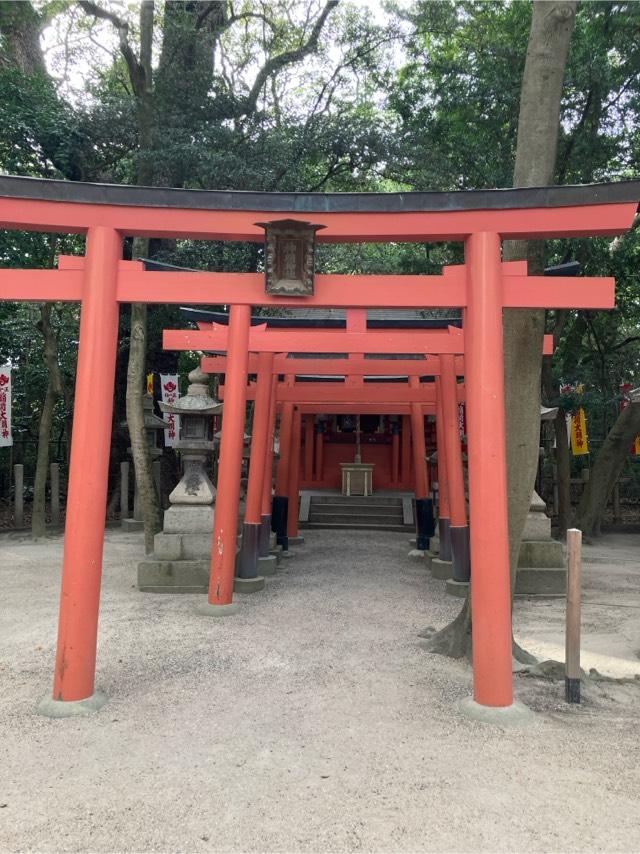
(356, 519)
(358, 526)
(356, 510)
(369, 500)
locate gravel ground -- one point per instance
(313, 720)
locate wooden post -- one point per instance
(572, 640)
(18, 495)
(55, 493)
(124, 490)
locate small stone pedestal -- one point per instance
(441, 569)
(457, 588)
(541, 566)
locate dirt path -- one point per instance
(311, 721)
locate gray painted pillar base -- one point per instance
(264, 539)
(441, 569)
(247, 560)
(444, 525)
(248, 585)
(517, 714)
(206, 609)
(298, 540)
(50, 708)
(457, 588)
(267, 565)
(460, 550)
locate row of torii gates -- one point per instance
(482, 287)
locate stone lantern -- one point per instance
(195, 440)
(182, 550)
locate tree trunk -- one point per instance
(54, 391)
(38, 513)
(606, 471)
(135, 421)
(538, 125)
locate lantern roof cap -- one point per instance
(197, 400)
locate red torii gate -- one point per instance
(483, 285)
(413, 395)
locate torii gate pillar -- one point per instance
(444, 517)
(458, 530)
(73, 686)
(484, 380)
(225, 529)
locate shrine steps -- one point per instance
(373, 513)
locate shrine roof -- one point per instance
(617, 192)
(330, 318)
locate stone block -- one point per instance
(267, 565)
(248, 585)
(541, 581)
(457, 588)
(537, 527)
(196, 546)
(538, 524)
(441, 569)
(131, 525)
(183, 519)
(168, 576)
(167, 546)
(535, 553)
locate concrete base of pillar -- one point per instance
(206, 609)
(130, 525)
(457, 588)
(541, 581)
(173, 576)
(517, 714)
(267, 565)
(248, 585)
(50, 708)
(417, 554)
(546, 553)
(298, 540)
(441, 569)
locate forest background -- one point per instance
(306, 96)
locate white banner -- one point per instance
(5, 406)
(170, 394)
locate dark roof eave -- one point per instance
(618, 192)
